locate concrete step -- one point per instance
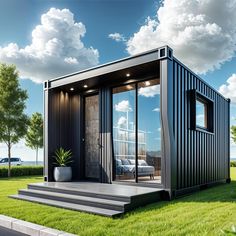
(77, 199)
(81, 192)
(97, 198)
(71, 206)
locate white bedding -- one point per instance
(141, 169)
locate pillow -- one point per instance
(132, 162)
(142, 163)
(118, 162)
(125, 162)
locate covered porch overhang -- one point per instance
(137, 66)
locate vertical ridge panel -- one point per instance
(202, 157)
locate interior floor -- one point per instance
(142, 179)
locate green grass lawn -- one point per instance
(207, 212)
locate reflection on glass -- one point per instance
(124, 132)
(149, 131)
(201, 114)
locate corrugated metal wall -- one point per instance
(202, 157)
(62, 130)
(105, 135)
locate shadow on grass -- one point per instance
(219, 193)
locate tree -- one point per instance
(13, 121)
(233, 132)
(34, 136)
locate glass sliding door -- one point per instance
(124, 132)
(137, 103)
(149, 131)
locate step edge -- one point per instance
(86, 203)
(35, 200)
(91, 199)
(79, 191)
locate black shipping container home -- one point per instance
(145, 121)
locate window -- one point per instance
(137, 132)
(201, 112)
(124, 132)
(149, 132)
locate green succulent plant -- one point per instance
(62, 157)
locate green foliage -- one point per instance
(233, 132)
(62, 157)
(13, 121)
(21, 170)
(34, 136)
(232, 163)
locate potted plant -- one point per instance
(62, 172)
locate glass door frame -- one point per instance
(135, 83)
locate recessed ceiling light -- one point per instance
(71, 89)
(85, 86)
(128, 75)
(129, 87)
(147, 83)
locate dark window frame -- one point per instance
(209, 113)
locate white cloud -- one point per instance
(117, 37)
(150, 91)
(229, 89)
(200, 119)
(157, 109)
(200, 116)
(56, 48)
(122, 121)
(71, 60)
(123, 106)
(201, 32)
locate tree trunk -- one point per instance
(9, 160)
(37, 156)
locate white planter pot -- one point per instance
(62, 174)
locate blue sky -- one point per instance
(112, 29)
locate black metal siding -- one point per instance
(62, 129)
(202, 157)
(105, 135)
(190, 157)
(168, 165)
